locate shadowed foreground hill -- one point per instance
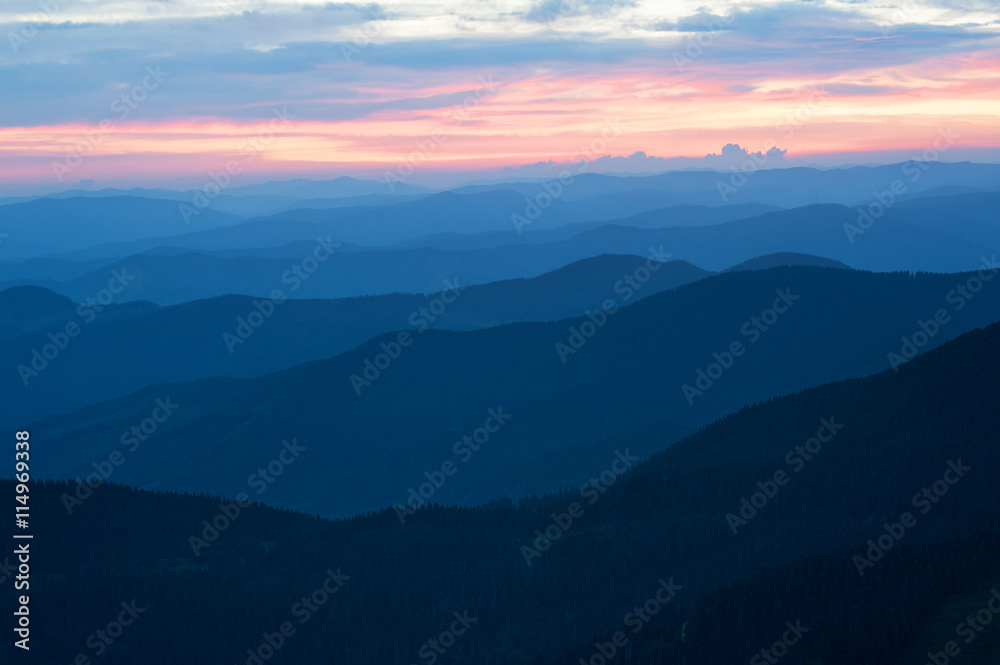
(378, 419)
(889, 439)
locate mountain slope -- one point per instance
(782, 187)
(378, 417)
(786, 259)
(241, 336)
(815, 230)
(973, 217)
(663, 526)
(30, 310)
(48, 226)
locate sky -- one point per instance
(171, 92)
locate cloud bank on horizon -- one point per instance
(129, 92)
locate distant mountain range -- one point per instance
(362, 212)
(377, 417)
(827, 231)
(241, 336)
(50, 226)
(785, 188)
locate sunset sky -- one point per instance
(164, 92)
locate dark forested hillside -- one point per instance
(877, 513)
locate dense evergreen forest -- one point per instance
(835, 467)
